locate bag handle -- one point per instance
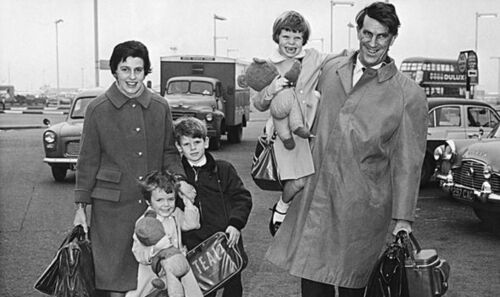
(415, 243)
(77, 233)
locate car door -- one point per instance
(446, 122)
(480, 120)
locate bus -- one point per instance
(438, 77)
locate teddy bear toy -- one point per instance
(169, 263)
(284, 108)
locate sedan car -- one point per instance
(470, 171)
(61, 141)
(455, 118)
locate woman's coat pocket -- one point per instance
(107, 185)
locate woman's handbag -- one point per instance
(214, 263)
(405, 270)
(264, 170)
(71, 272)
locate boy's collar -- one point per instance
(200, 163)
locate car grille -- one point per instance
(470, 174)
(177, 114)
(72, 149)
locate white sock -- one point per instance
(282, 207)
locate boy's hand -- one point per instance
(187, 191)
(234, 236)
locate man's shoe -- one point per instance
(274, 225)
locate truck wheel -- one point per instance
(59, 173)
(234, 134)
(489, 219)
(214, 143)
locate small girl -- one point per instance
(291, 32)
(160, 191)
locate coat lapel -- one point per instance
(345, 74)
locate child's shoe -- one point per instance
(275, 222)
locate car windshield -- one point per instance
(495, 133)
(190, 87)
(78, 111)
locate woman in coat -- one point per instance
(127, 132)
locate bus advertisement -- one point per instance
(438, 77)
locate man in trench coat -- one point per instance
(370, 129)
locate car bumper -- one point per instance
(466, 193)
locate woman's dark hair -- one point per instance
(384, 13)
(127, 49)
(291, 21)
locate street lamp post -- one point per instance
(481, 15)
(96, 44)
(349, 27)
(57, 52)
(498, 85)
(216, 18)
(332, 4)
(322, 42)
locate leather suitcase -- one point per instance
(427, 274)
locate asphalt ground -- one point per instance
(35, 214)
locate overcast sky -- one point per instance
(430, 28)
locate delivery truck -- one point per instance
(211, 89)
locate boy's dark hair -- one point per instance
(291, 21)
(190, 127)
(384, 13)
(127, 49)
(159, 179)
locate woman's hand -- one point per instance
(81, 217)
(234, 236)
(187, 191)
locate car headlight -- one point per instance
(452, 146)
(49, 137)
(487, 172)
(438, 152)
(209, 117)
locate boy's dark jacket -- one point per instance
(221, 198)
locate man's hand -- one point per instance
(81, 219)
(402, 225)
(234, 236)
(187, 191)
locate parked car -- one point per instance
(61, 141)
(455, 118)
(470, 171)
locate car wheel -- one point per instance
(490, 219)
(235, 133)
(59, 173)
(427, 171)
(214, 143)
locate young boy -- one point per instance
(223, 200)
(160, 192)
